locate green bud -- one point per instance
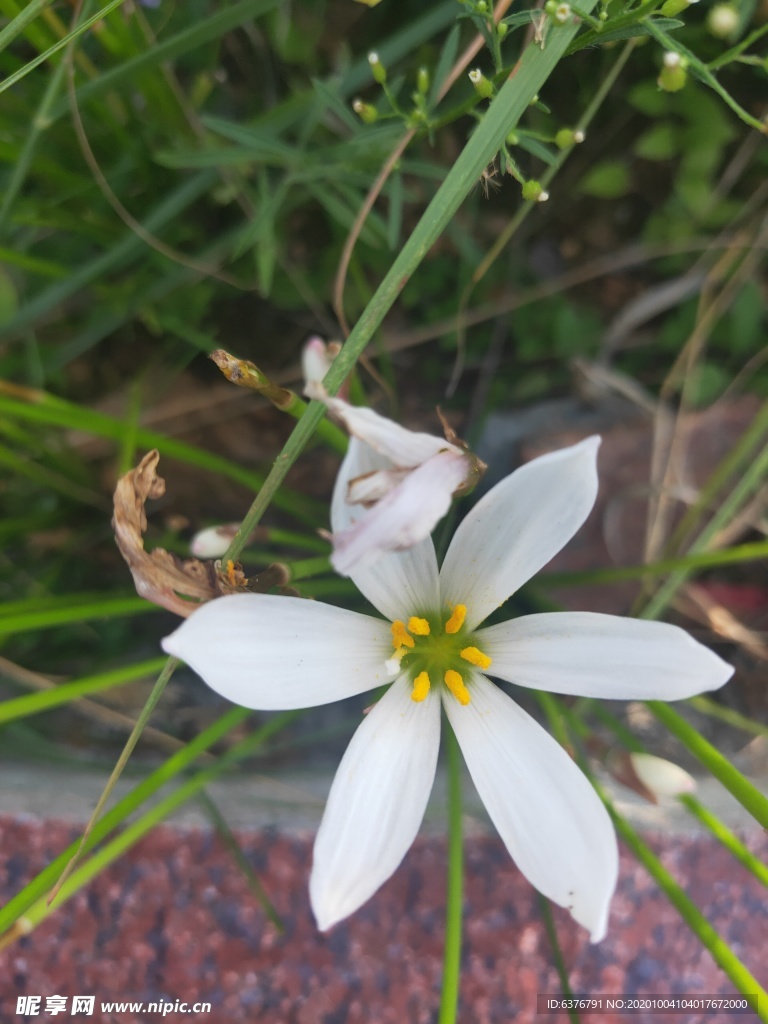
(672, 76)
(481, 7)
(502, 29)
(378, 70)
(512, 139)
(422, 81)
(534, 193)
(674, 7)
(481, 83)
(567, 137)
(365, 111)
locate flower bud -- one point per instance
(560, 13)
(422, 81)
(567, 137)
(674, 7)
(723, 21)
(365, 111)
(512, 139)
(534, 193)
(482, 86)
(502, 29)
(661, 777)
(378, 70)
(672, 76)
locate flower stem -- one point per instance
(449, 998)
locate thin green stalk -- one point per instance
(307, 567)
(739, 48)
(700, 69)
(20, 22)
(229, 839)
(619, 573)
(726, 836)
(751, 480)
(169, 770)
(706, 706)
(500, 118)
(606, 85)
(146, 712)
(746, 793)
(742, 452)
(719, 949)
(545, 908)
(63, 693)
(59, 45)
(47, 618)
(39, 910)
(449, 998)
(42, 407)
(40, 122)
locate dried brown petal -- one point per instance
(179, 585)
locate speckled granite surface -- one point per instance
(174, 920)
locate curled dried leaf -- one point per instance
(179, 585)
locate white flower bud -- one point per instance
(662, 777)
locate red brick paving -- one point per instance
(174, 919)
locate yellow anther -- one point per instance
(418, 626)
(400, 636)
(420, 687)
(456, 621)
(475, 657)
(455, 684)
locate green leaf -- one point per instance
(660, 142)
(606, 180)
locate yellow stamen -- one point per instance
(475, 657)
(456, 621)
(420, 687)
(455, 684)
(400, 637)
(418, 626)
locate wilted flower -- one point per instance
(275, 653)
(398, 500)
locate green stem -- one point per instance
(721, 953)
(117, 771)
(449, 999)
(726, 836)
(746, 793)
(500, 118)
(701, 71)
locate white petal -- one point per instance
(518, 527)
(549, 816)
(275, 653)
(594, 655)
(401, 583)
(404, 517)
(376, 803)
(403, 447)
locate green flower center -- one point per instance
(429, 649)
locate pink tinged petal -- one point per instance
(376, 804)
(315, 360)
(277, 653)
(518, 527)
(549, 816)
(402, 447)
(372, 487)
(400, 583)
(594, 655)
(404, 517)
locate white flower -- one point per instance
(409, 481)
(270, 653)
